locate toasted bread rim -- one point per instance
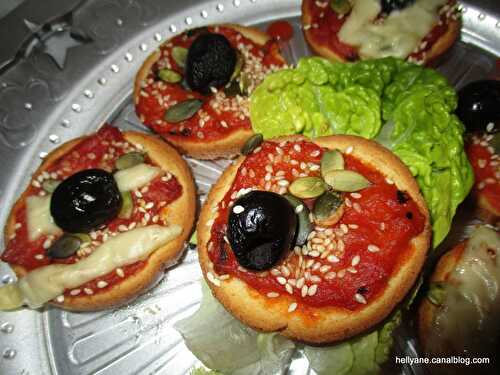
(227, 146)
(327, 324)
(444, 42)
(181, 212)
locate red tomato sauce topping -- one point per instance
(486, 165)
(280, 30)
(349, 262)
(100, 150)
(326, 24)
(220, 115)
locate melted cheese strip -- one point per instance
(398, 35)
(46, 283)
(38, 218)
(469, 314)
(136, 176)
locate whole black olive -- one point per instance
(85, 201)
(389, 5)
(210, 62)
(479, 105)
(261, 229)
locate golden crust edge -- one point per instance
(162, 154)
(260, 313)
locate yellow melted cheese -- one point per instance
(136, 176)
(38, 218)
(46, 283)
(467, 321)
(397, 35)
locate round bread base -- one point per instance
(432, 56)
(225, 147)
(180, 212)
(307, 323)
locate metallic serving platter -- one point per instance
(42, 106)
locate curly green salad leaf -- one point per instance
(226, 346)
(405, 107)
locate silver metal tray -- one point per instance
(42, 106)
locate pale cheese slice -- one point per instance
(397, 35)
(38, 218)
(136, 176)
(46, 283)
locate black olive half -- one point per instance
(479, 105)
(85, 201)
(210, 62)
(389, 5)
(261, 229)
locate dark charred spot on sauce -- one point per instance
(223, 257)
(363, 290)
(409, 215)
(402, 197)
(185, 132)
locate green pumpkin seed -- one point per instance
(436, 293)
(328, 208)
(245, 82)
(127, 205)
(307, 187)
(84, 237)
(183, 110)
(344, 180)
(305, 226)
(170, 76)
(179, 54)
(129, 160)
(495, 142)
(330, 161)
(65, 246)
(341, 6)
(252, 143)
(50, 185)
(238, 66)
(232, 89)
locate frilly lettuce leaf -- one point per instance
(362, 355)
(224, 344)
(406, 107)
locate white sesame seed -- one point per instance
(373, 248)
(210, 222)
(349, 150)
(285, 271)
(314, 253)
(300, 283)
(359, 298)
(120, 272)
(289, 288)
(303, 290)
(325, 268)
(353, 226)
(355, 261)
(47, 243)
(344, 228)
(355, 195)
(273, 294)
(149, 205)
(340, 245)
(39, 256)
(330, 275)
(333, 259)
(88, 291)
(213, 279)
(389, 181)
(312, 290)
(490, 127)
(238, 209)
(297, 148)
(283, 183)
(348, 202)
(314, 167)
(292, 282)
(275, 272)
(481, 163)
(60, 299)
(102, 284)
(224, 277)
(281, 280)
(75, 292)
(382, 226)
(292, 307)
(356, 207)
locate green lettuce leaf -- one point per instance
(362, 355)
(224, 344)
(406, 107)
